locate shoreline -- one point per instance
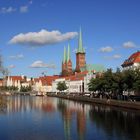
(110, 102)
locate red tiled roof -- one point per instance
(46, 80)
(16, 78)
(76, 77)
(134, 58)
(36, 79)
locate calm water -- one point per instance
(46, 118)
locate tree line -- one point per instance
(116, 83)
(13, 88)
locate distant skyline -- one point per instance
(33, 33)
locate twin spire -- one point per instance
(66, 54)
(79, 50)
(80, 58)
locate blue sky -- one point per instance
(110, 33)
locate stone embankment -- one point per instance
(110, 102)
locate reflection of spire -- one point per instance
(66, 116)
(81, 124)
(67, 123)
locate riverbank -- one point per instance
(110, 102)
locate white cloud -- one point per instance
(116, 56)
(42, 37)
(18, 56)
(7, 10)
(41, 64)
(129, 44)
(12, 66)
(106, 49)
(30, 2)
(24, 9)
(113, 57)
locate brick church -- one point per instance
(80, 59)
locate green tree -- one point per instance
(61, 86)
(114, 83)
(136, 83)
(25, 89)
(118, 81)
(129, 79)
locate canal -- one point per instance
(48, 118)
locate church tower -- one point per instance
(80, 55)
(64, 63)
(69, 63)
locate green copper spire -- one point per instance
(80, 43)
(68, 55)
(64, 58)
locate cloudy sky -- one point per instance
(33, 33)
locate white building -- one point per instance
(76, 83)
(87, 79)
(55, 82)
(16, 81)
(76, 86)
(43, 84)
(39, 86)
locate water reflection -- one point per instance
(69, 120)
(117, 123)
(27, 103)
(3, 105)
(70, 112)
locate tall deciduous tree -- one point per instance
(115, 83)
(61, 86)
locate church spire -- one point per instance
(64, 57)
(68, 55)
(80, 43)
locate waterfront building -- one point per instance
(43, 84)
(76, 86)
(87, 79)
(73, 83)
(76, 83)
(132, 62)
(1, 82)
(55, 82)
(16, 81)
